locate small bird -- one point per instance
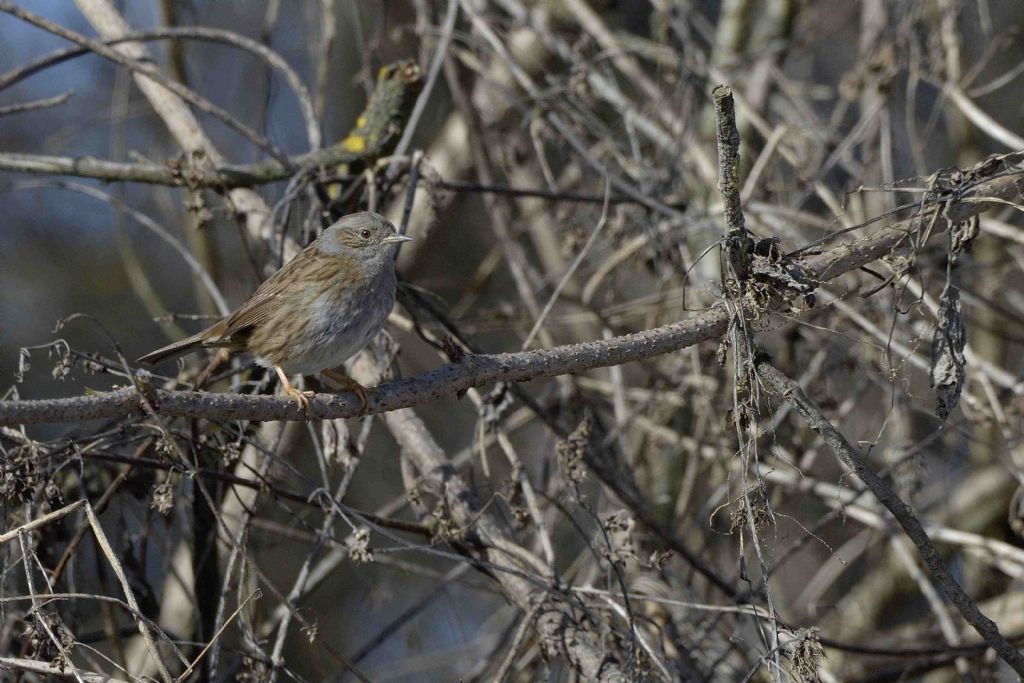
(320, 309)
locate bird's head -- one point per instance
(365, 235)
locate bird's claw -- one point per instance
(345, 382)
(300, 397)
(364, 401)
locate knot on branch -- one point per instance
(772, 273)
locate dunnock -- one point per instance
(317, 311)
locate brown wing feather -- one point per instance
(178, 348)
(233, 330)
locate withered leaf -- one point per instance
(947, 371)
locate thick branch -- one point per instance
(782, 385)
(227, 176)
(471, 371)
(477, 370)
(380, 120)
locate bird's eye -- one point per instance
(365, 234)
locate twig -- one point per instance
(48, 669)
(149, 72)
(783, 386)
(41, 521)
(261, 173)
(513, 649)
(65, 655)
(256, 594)
(149, 224)
(540, 193)
(104, 544)
(440, 52)
(35, 105)
(201, 33)
(553, 299)
(409, 613)
(737, 242)
(982, 120)
(728, 156)
(101, 505)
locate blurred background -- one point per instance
(846, 110)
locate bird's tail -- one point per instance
(178, 348)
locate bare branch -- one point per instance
(477, 370)
(147, 71)
(36, 105)
(783, 386)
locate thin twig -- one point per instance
(35, 105)
(256, 594)
(41, 521)
(101, 538)
(786, 388)
(201, 33)
(149, 72)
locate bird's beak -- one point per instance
(396, 239)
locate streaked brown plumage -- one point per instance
(318, 310)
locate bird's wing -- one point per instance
(235, 329)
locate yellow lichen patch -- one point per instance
(354, 143)
(361, 122)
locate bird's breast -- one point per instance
(340, 321)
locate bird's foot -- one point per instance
(347, 383)
(299, 396)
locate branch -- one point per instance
(50, 669)
(478, 370)
(471, 371)
(36, 105)
(227, 176)
(202, 33)
(146, 70)
(737, 241)
(380, 120)
(728, 138)
(782, 385)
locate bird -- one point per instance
(317, 311)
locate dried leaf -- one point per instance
(162, 499)
(359, 550)
(947, 370)
(805, 655)
(961, 236)
(572, 452)
(24, 365)
(618, 546)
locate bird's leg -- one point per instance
(301, 397)
(346, 382)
